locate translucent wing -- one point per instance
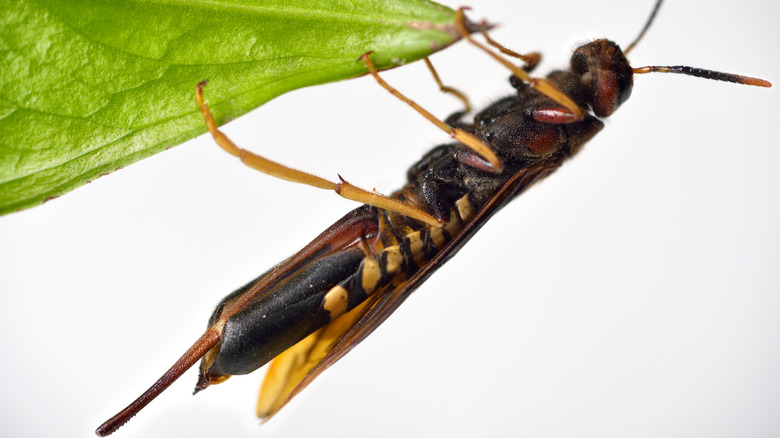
(293, 370)
(290, 368)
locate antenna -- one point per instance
(644, 29)
(706, 74)
(691, 71)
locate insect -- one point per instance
(311, 309)
(563, 337)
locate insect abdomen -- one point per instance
(284, 316)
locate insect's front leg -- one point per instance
(541, 85)
(493, 163)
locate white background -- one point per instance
(634, 293)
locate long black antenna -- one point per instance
(706, 74)
(644, 29)
(691, 71)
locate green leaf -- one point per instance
(89, 86)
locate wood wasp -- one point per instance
(628, 147)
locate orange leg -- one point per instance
(462, 136)
(542, 85)
(343, 188)
(446, 89)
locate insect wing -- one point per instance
(294, 369)
(291, 367)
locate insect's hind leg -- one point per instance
(343, 189)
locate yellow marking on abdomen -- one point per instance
(415, 243)
(394, 259)
(454, 225)
(370, 275)
(335, 301)
(465, 209)
(437, 236)
(416, 247)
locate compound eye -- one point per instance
(606, 98)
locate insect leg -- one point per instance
(446, 89)
(542, 85)
(531, 59)
(453, 119)
(343, 188)
(462, 136)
